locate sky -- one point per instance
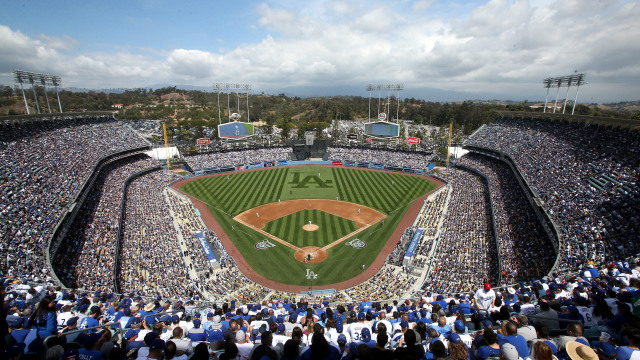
(439, 50)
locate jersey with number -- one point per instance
(587, 315)
(355, 330)
(528, 309)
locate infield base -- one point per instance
(317, 254)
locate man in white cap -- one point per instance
(243, 344)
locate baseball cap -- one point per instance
(150, 337)
(404, 324)
(487, 286)
(366, 335)
(175, 318)
(342, 339)
(487, 324)
(90, 339)
(16, 322)
(136, 320)
(454, 338)
(339, 326)
(281, 328)
(240, 335)
(510, 352)
(72, 321)
(156, 344)
(209, 315)
(127, 311)
(361, 316)
(459, 326)
(131, 333)
(196, 322)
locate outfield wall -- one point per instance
(223, 169)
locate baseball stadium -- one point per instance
(113, 232)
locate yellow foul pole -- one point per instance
(166, 148)
(449, 147)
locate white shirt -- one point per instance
(485, 298)
(355, 330)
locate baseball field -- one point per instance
(288, 223)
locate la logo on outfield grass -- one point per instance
(264, 245)
(357, 244)
(302, 184)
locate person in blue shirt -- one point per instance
(45, 318)
(17, 329)
(197, 333)
(632, 350)
(91, 350)
(516, 340)
(92, 320)
(492, 348)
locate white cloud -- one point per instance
(500, 47)
(63, 44)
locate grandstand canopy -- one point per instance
(161, 153)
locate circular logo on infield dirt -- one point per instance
(263, 245)
(357, 244)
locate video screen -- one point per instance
(235, 130)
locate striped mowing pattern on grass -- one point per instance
(227, 195)
(331, 228)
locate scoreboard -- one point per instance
(381, 129)
(235, 130)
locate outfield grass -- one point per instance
(229, 195)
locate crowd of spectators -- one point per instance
(525, 251)
(414, 160)
(587, 315)
(150, 257)
(585, 175)
(241, 157)
(465, 250)
(86, 256)
(43, 165)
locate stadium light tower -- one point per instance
(43, 81)
(56, 82)
(19, 79)
(229, 87)
(389, 88)
(567, 81)
(20, 76)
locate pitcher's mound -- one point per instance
(312, 227)
(317, 254)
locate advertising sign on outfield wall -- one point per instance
(203, 141)
(413, 140)
(336, 163)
